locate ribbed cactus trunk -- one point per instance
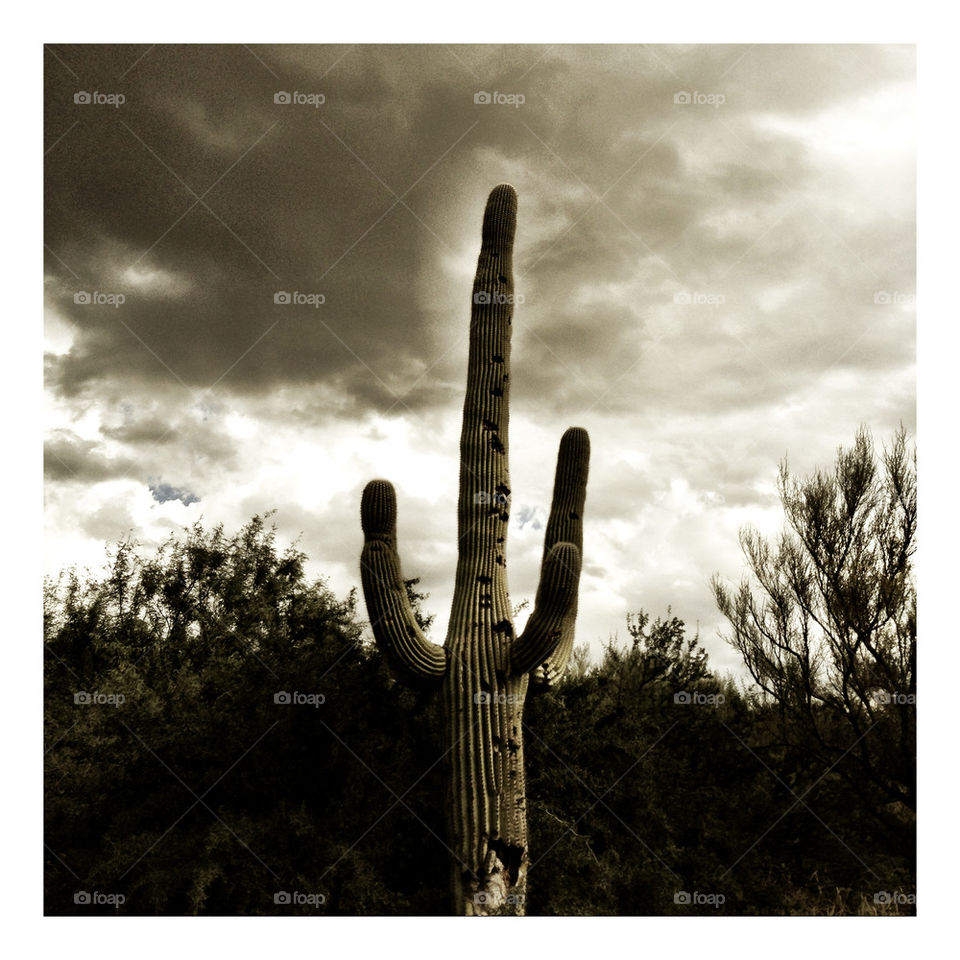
(483, 671)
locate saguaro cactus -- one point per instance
(483, 671)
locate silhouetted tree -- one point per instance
(661, 651)
(187, 778)
(200, 793)
(827, 627)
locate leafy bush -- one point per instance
(184, 783)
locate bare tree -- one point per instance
(827, 625)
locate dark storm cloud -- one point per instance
(287, 202)
(199, 200)
(269, 303)
(142, 442)
(68, 457)
(159, 436)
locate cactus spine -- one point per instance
(483, 671)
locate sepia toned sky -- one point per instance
(715, 252)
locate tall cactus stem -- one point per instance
(483, 671)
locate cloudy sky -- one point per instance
(715, 250)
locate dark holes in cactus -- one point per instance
(510, 856)
(474, 642)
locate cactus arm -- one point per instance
(556, 596)
(414, 660)
(482, 671)
(565, 526)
